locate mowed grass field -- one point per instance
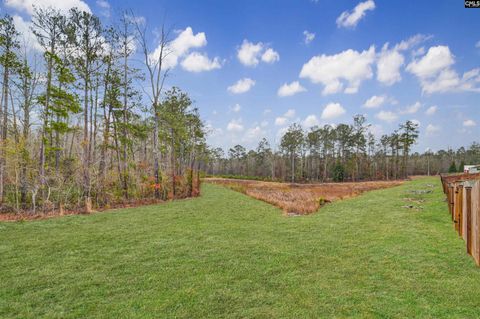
(226, 255)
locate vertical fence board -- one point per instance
(468, 217)
(450, 200)
(476, 222)
(463, 200)
(461, 219)
(456, 209)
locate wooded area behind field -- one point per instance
(345, 152)
(85, 125)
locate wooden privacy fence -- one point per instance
(463, 197)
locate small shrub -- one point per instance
(452, 168)
(461, 168)
(338, 172)
(322, 201)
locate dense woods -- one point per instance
(77, 130)
(346, 152)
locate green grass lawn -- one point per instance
(225, 255)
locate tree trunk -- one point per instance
(156, 168)
(124, 128)
(86, 149)
(4, 129)
(173, 161)
(293, 166)
(45, 122)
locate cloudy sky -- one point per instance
(254, 67)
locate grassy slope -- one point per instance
(227, 255)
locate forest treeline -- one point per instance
(346, 152)
(77, 131)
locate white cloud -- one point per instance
(436, 75)
(310, 121)
(236, 108)
(477, 45)
(308, 37)
(27, 38)
(103, 4)
(270, 56)
(388, 66)
(331, 70)
(419, 51)
(432, 129)
(431, 110)
(62, 5)
(437, 59)
(198, 62)
(412, 109)
(469, 123)
(213, 131)
(447, 80)
(105, 7)
(235, 126)
(412, 41)
(241, 86)
(290, 113)
(386, 116)
(179, 47)
(187, 40)
(267, 111)
(290, 89)
(249, 54)
(264, 124)
(332, 110)
(390, 60)
(350, 19)
(375, 101)
(254, 134)
(280, 121)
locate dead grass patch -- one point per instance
(300, 198)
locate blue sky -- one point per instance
(389, 60)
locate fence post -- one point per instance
(468, 194)
(450, 200)
(477, 232)
(456, 217)
(460, 210)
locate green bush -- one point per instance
(452, 168)
(338, 172)
(461, 168)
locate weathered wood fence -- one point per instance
(463, 198)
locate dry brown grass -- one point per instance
(26, 215)
(300, 198)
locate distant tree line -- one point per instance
(75, 129)
(346, 152)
